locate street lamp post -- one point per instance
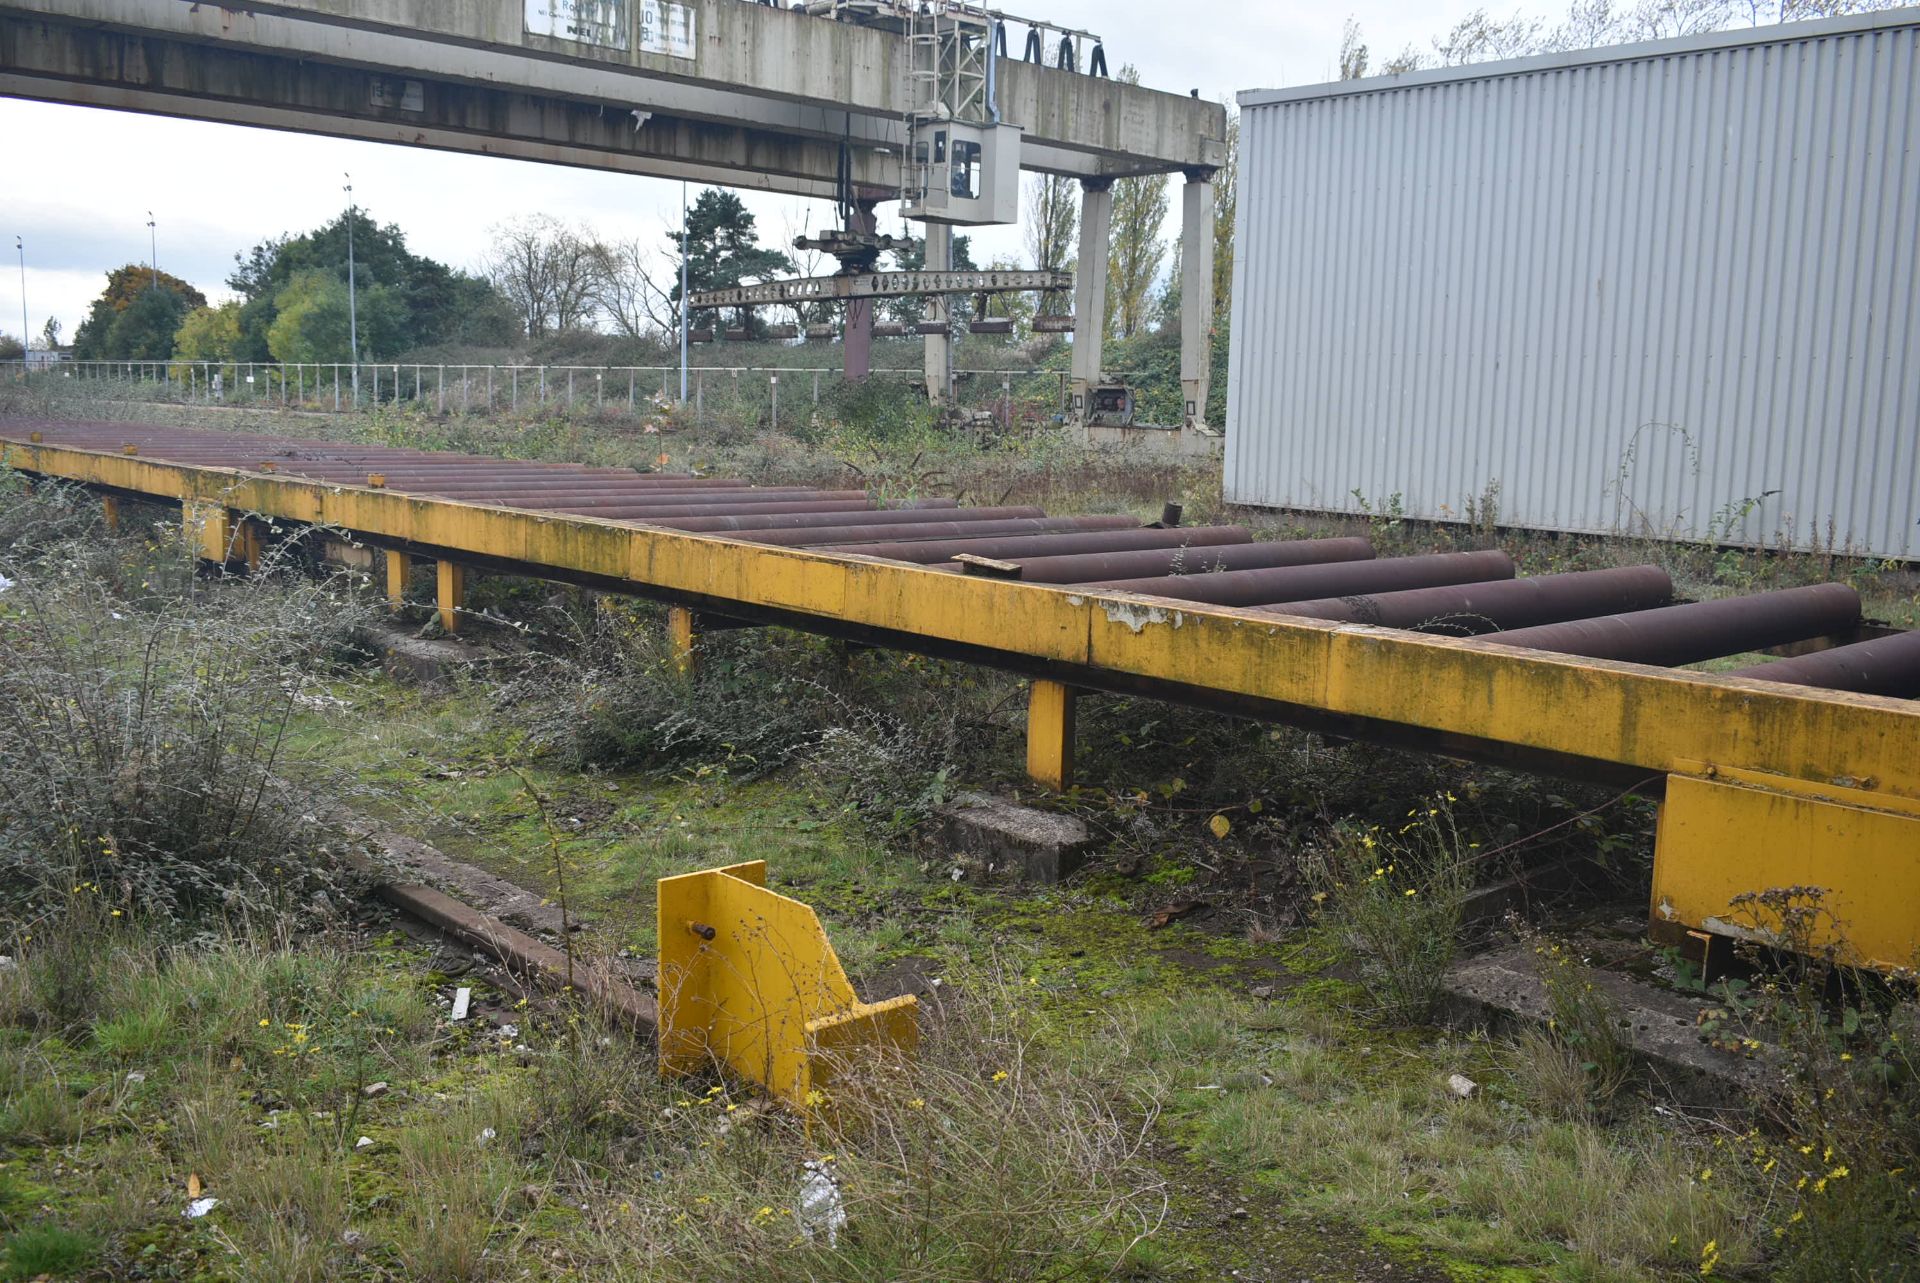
(26, 335)
(153, 250)
(682, 290)
(353, 310)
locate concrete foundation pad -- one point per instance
(1006, 839)
(420, 659)
(1502, 990)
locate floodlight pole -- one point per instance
(26, 336)
(353, 308)
(682, 290)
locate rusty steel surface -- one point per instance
(939, 550)
(1296, 583)
(1673, 635)
(1467, 610)
(879, 519)
(828, 538)
(1882, 666)
(1096, 567)
(1604, 614)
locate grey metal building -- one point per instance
(1663, 288)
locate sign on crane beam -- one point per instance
(812, 289)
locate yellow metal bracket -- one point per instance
(1730, 836)
(748, 982)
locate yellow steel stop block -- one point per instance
(748, 982)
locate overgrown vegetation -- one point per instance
(143, 712)
(1181, 1061)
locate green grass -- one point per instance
(47, 1250)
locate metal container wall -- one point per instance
(1665, 288)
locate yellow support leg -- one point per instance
(748, 981)
(250, 543)
(1738, 835)
(110, 512)
(397, 567)
(208, 529)
(1050, 728)
(683, 640)
(451, 593)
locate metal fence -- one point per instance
(756, 393)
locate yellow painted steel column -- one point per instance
(452, 593)
(683, 640)
(110, 511)
(208, 529)
(1050, 727)
(397, 567)
(1731, 846)
(250, 542)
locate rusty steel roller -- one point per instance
(1466, 610)
(828, 539)
(1094, 567)
(878, 518)
(1051, 545)
(1298, 583)
(1882, 666)
(660, 513)
(1675, 635)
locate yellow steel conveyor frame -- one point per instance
(1766, 785)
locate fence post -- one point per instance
(773, 390)
(816, 387)
(700, 398)
(630, 377)
(336, 387)
(513, 399)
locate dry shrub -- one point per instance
(144, 711)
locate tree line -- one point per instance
(543, 277)
(293, 304)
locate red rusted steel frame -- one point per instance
(1467, 610)
(1300, 583)
(1674, 635)
(1092, 567)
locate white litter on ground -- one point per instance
(822, 1213)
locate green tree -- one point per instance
(1226, 204)
(95, 339)
(723, 249)
(1136, 249)
(11, 349)
(209, 333)
(311, 320)
(1053, 220)
(144, 332)
(423, 302)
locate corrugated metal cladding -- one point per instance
(1666, 289)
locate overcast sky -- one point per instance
(79, 182)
